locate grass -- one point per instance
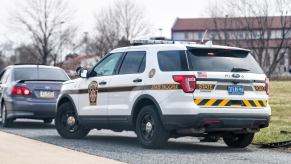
(280, 101)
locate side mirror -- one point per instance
(82, 72)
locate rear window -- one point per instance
(210, 60)
(222, 60)
(39, 74)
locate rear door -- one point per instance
(126, 85)
(227, 78)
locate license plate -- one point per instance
(235, 90)
(46, 94)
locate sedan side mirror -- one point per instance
(82, 72)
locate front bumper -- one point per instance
(33, 110)
(216, 122)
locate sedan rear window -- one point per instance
(40, 74)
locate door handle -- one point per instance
(137, 80)
(103, 83)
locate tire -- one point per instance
(48, 120)
(239, 140)
(5, 121)
(150, 132)
(67, 124)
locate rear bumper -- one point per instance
(216, 122)
(33, 110)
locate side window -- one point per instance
(172, 61)
(107, 66)
(5, 76)
(1, 75)
(142, 65)
(133, 62)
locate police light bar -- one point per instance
(185, 42)
(143, 42)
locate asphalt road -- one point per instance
(124, 147)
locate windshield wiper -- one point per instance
(236, 69)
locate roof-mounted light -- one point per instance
(143, 42)
(209, 43)
(184, 42)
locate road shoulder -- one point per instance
(16, 149)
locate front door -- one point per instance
(94, 99)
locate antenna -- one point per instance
(202, 40)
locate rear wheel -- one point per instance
(239, 140)
(149, 129)
(5, 121)
(67, 124)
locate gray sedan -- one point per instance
(30, 91)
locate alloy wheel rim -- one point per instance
(147, 127)
(69, 121)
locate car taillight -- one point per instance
(20, 91)
(267, 86)
(188, 82)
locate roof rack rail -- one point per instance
(27, 64)
(146, 42)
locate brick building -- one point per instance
(251, 33)
(72, 63)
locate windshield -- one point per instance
(40, 74)
(222, 60)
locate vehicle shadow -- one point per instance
(30, 125)
(119, 142)
(172, 146)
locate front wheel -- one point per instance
(67, 124)
(5, 121)
(239, 140)
(149, 129)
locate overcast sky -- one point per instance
(160, 13)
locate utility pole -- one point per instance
(161, 31)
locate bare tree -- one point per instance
(2, 61)
(119, 23)
(26, 54)
(47, 22)
(131, 19)
(108, 31)
(6, 49)
(254, 21)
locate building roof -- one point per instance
(232, 23)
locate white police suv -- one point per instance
(168, 89)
